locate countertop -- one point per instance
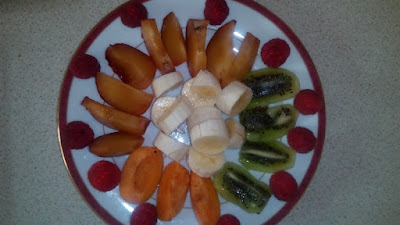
(355, 46)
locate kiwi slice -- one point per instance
(263, 123)
(267, 157)
(271, 85)
(235, 184)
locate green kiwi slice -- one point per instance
(237, 185)
(263, 123)
(271, 85)
(267, 157)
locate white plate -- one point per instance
(250, 17)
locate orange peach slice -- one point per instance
(115, 144)
(196, 33)
(204, 200)
(141, 174)
(220, 53)
(244, 60)
(172, 38)
(115, 118)
(122, 96)
(172, 192)
(155, 46)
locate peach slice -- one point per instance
(172, 38)
(220, 53)
(132, 66)
(155, 46)
(115, 144)
(204, 198)
(196, 33)
(141, 174)
(244, 60)
(122, 96)
(115, 118)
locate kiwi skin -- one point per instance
(235, 184)
(267, 156)
(263, 123)
(270, 85)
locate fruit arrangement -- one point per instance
(223, 104)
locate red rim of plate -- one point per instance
(93, 34)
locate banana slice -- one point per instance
(194, 98)
(206, 85)
(202, 114)
(235, 132)
(203, 164)
(171, 147)
(159, 107)
(175, 115)
(166, 82)
(234, 98)
(210, 137)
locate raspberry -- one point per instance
(84, 66)
(308, 102)
(144, 214)
(301, 139)
(275, 52)
(132, 13)
(77, 135)
(228, 219)
(104, 175)
(216, 11)
(283, 186)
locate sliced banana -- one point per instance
(206, 85)
(194, 98)
(175, 115)
(210, 137)
(235, 132)
(159, 107)
(234, 98)
(171, 147)
(166, 82)
(202, 114)
(203, 164)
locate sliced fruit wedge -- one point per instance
(115, 144)
(196, 33)
(173, 40)
(115, 118)
(220, 54)
(122, 96)
(132, 66)
(155, 46)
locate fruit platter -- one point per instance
(205, 112)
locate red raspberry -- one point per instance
(216, 11)
(308, 102)
(84, 66)
(77, 135)
(144, 214)
(132, 13)
(104, 175)
(283, 186)
(228, 219)
(301, 139)
(275, 52)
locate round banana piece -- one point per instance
(166, 82)
(175, 115)
(202, 114)
(194, 98)
(203, 164)
(171, 147)
(159, 107)
(234, 98)
(210, 137)
(206, 85)
(236, 133)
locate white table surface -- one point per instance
(355, 46)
